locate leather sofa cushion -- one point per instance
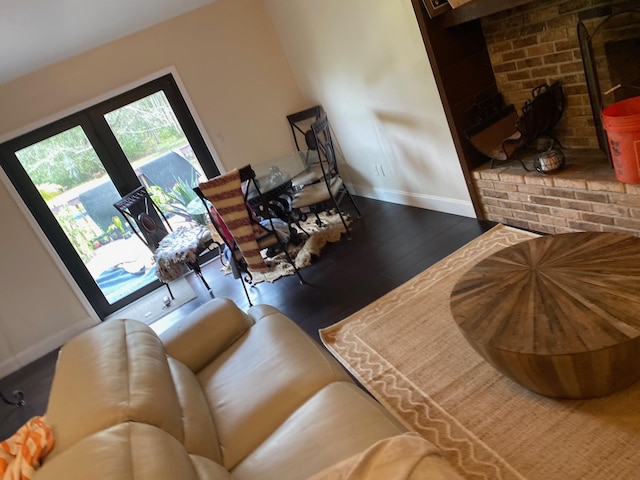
(338, 421)
(118, 371)
(255, 385)
(202, 335)
(130, 451)
(200, 436)
(109, 374)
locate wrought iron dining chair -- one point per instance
(242, 231)
(184, 244)
(328, 192)
(300, 123)
(305, 141)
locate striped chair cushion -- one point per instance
(225, 193)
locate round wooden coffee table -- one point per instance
(559, 314)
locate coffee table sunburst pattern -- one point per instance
(558, 314)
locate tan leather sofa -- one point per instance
(223, 394)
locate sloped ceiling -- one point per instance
(37, 33)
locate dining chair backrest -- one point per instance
(326, 151)
(217, 221)
(230, 210)
(300, 123)
(327, 193)
(225, 193)
(150, 224)
(144, 217)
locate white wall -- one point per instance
(229, 59)
(362, 59)
(365, 62)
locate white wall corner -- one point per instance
(429, 202)
(47, 345)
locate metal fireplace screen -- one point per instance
(610, 57)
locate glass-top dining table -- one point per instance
(278, 179)
(273, 173)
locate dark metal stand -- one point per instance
(19, 399)
(275, 203)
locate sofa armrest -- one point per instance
(258, 312)
(202, 335)
(130, 450)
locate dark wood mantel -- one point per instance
(457, 51)
(463, 72)
(477, 9)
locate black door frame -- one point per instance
(115, 162)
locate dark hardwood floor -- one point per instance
(390, 244)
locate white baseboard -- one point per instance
(8, 366)
(47, 345)
(429, 202)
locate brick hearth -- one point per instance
(584, 196)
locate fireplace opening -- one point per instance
(624, 67)
(610, 55)
(538, 42)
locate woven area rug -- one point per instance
(406, 349)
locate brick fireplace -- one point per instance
(585, 196)
(538, 43)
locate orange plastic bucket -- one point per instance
(621, 120)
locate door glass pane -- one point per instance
(158, 150)
(75, 186)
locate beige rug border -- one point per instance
(473, 459)
(546, 439)
(447, 260)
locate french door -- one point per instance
(70, 172)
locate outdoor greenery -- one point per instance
(180, 200)
(65, 160)
(145, 129)
(80, 232)
(49, 191)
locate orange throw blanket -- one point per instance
(21, 454)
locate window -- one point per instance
(70, 172)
